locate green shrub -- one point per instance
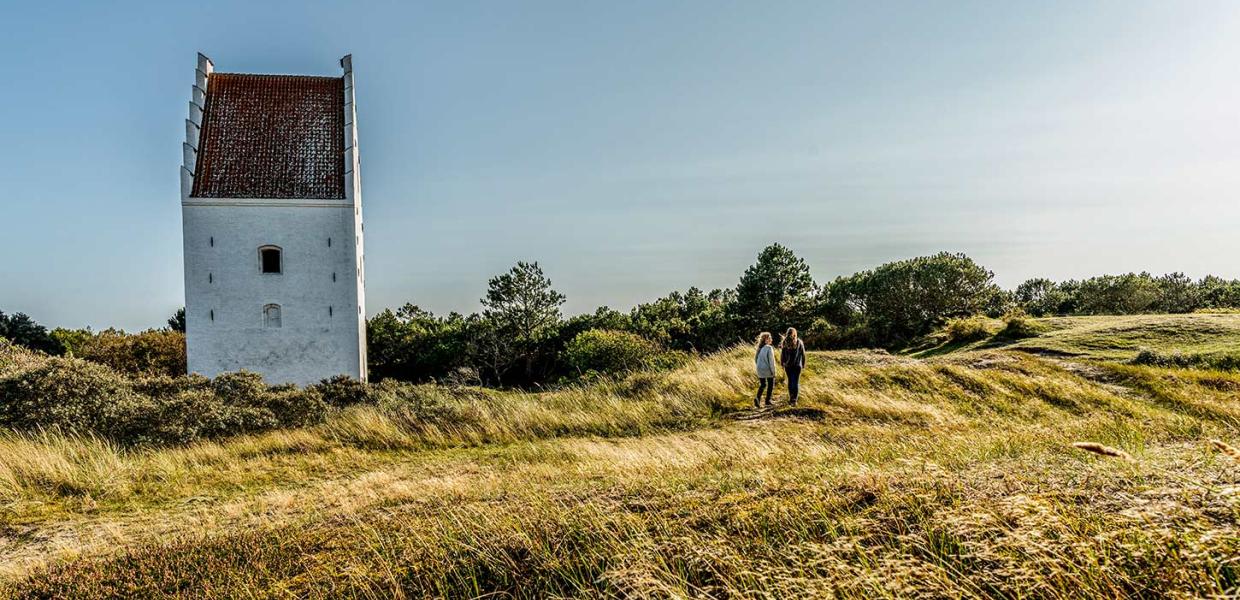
(195, 414)
(295, 407)
(241, 388)
(268, 407)
(608, 352)
(856, 335)
(342, 391)
(903, 300)
(163, 386)
(1019, 325)
(967, 329)
(1155, 358)
(71, 394)
(668, 360)
(818, 334)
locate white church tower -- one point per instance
(271, 205)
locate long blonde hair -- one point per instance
(789, 339)
(764, 338)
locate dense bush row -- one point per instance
(71, 394)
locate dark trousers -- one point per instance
(794, 383)
(765, 383)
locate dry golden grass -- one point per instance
(951, 477)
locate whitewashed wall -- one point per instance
(320, 317)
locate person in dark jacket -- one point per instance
(792, 358)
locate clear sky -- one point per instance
(638, 147)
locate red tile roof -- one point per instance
(271, 136)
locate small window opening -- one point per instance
(210, 278)
(213, 315)
(271, 316)
(212, 241)
(271, 259)
(329, 311)
(329, 242)
(333, 276)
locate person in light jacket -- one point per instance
(792, 357)
(765, 363)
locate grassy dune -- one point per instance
(1108, 338)
(950, 476)
(1120, 338)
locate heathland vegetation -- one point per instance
(954, 475)
(979, 447)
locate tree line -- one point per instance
(1132, 293)
(521, 337)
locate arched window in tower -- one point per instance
(271, 315)
(271, 259)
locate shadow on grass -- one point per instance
(994, 342)
(781, 411)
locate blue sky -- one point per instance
(638, 147)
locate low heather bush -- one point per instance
(967, 329)
(1018, 325)
(342, 391)
(1180, 360)
(291, 406)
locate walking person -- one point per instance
(792, 357)
(765, 364)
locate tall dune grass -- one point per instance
(950, 477)
(51, 464)
(744, 512)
